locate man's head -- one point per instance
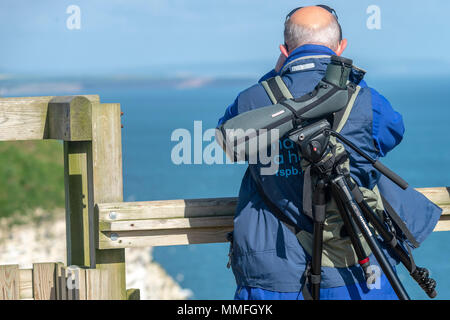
(312, 25)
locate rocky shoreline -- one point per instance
(43, 239)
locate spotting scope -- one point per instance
(243, 136)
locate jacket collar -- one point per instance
(296, 60)
(307, 51)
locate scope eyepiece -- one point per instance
(341, 60)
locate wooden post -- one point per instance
(69, 118)
(79, 203)
(108, 187)
(93, 173)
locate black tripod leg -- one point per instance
(319, 206)
(419, 274)
(347, 198)
(351, 228)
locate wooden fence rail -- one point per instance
(179, 222)
(37, 118)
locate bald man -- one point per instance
(266, 258)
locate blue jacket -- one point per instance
(265, 254)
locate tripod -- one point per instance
(332, 177)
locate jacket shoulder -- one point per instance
(371, 94)
(252, 98)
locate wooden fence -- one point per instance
(54, 281)
(177, 222)
(91, 133)
(99, 225)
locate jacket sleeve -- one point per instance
(388, 128)
(230, 112)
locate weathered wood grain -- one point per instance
(440, 195)
(26, 284)
(166, 209)
(164, 224)
(69, 118)
(26, 118)
(44, 281)
(108, 187)
(9, 282)
(82, 284)
(99, 284)
(169, 237)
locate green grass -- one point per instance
(31, 176)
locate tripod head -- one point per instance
(314, 139)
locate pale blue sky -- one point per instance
(227, 37)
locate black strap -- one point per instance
(306, 276)
(273, 85)
(307, 192)
(337, 116)
(273, 207)
(306, 282)
(325, 165)
(399, 222)
(413, 263)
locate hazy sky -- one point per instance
(227, 37)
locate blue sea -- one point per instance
(153, 109)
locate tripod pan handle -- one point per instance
(391, 175)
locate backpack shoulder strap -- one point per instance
(341, 117)
(276, 89)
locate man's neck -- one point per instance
(309, 49)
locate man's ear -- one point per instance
(284, 50)
(341, 47)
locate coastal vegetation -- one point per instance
(31, 176)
